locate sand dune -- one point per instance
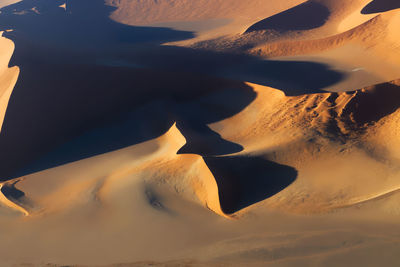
(330, 114)
(342, 28)
(307, 124)
(199, 133)
(144, 12)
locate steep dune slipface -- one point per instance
(295, 19)
(8, 76)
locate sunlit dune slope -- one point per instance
(8, 76)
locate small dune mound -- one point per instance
(377, 6)
(306, 16)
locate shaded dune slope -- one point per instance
(243, 181)
(377, 6)
(297, 18)
(14, 199)
(373, 103)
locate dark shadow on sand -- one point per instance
(372, 105)
(244, 181)
(306, 16)
(377, 6)
(11, 192)
(89, 85)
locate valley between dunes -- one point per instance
(200, 133)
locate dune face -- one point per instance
(295, 19)
(199, 133)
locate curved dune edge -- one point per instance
(295, 18)
(8, 76)
(379, 196)
(10, 204)
(206, 189)
(343, 16)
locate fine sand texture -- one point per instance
(200, 133)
